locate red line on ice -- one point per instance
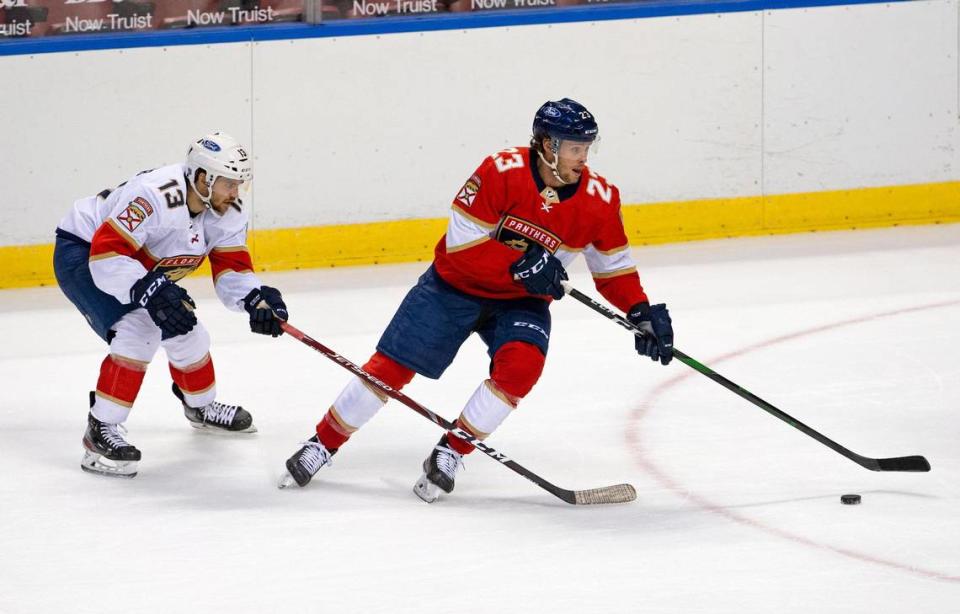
(635, 446)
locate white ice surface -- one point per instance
(854, 333)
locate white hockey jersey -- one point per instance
(144, 224)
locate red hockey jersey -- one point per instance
(505, 206)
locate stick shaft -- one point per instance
(620, 493)
(907, 463)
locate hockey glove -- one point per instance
(169, 305)
(654, 320)
(262, 303)
(540, 272)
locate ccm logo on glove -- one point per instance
(540, 272)
(169, 305)
(265, 305)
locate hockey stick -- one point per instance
(619, 493)
(900, 463)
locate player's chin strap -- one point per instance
(553, 165)
(204, 199)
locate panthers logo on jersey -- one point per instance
(518, 233)
(178, 267)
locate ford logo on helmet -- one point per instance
(211, 145)
(551, 112)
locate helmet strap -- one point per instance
(555, 148)
(208, 181)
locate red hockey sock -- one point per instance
(458, 444)
(120, 380)
(196, 378)
(331, 433)
(516, 368)
(334, 432)
(388, 371)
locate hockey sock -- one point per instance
(359, 402)
(516, 368)
(484, 412)
(388, 371)
(117, 388)
(197, 381)
(331, 432)
(458, 444)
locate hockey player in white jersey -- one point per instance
(118, 257)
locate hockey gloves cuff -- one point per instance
(540, 273)
(262, 303)
(169, 305)
(654, 321)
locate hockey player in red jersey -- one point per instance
(118, 256)
(517, 221)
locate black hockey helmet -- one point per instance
(564, 119)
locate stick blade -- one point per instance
(618, 493)
(904, 463)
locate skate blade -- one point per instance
(426, 490)
(216, 430)
(286, 481)
(97, 464)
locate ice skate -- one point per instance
(107, 452)
(217, 417)
(302, 466)
(439, 472)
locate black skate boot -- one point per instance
(217, 416)
(302, 466)
(439, 472)
(106, 451)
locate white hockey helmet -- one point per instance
(218, 155)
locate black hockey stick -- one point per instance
(619, 493)
(900, 463)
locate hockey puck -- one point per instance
(850, 499)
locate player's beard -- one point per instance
(221, 207)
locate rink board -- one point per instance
(713, 125)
